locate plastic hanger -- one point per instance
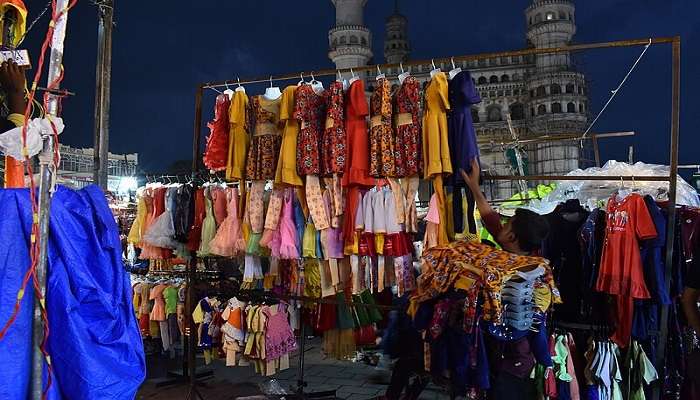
(273, 92)
(317, 86)
(343, 81)
(435, 70)
(239, 88)
(379, 73)
(228, 92)
(455, 70)
(354, 77)
(404, 74)
(301, 81)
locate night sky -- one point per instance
(162, 49)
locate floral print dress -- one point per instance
(408, 128)
(309, 110)
(334, 146)
(267, 139)
(382, 158)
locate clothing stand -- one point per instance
(674, 41)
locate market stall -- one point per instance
(310, 203)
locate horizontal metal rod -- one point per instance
(576, 178)
(563, 137)
(472, 57)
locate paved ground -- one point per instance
(352, 381)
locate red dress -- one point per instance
(195, 234)
(408, 129)
(216, 152)
(621, 271)
(309, 110)
(356, 111)
(334, 146)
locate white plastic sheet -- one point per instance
(38, 128)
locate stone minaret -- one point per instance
(350, 42)
(396, 46)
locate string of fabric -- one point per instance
(614, 92)
(35, 237)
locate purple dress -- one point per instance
(461, 134)
(461, 137)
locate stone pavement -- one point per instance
(350, 380)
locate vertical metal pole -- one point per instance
(197, 134)
(102, 92)
(189, 365)
(671, 226)
(46, 173)
(596, 149)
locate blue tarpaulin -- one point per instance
(94, 343)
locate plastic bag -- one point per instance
(272, 387)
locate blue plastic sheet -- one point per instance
(95, 345)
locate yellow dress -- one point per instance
(136, 230)
(436, 151)
(287, 165)
(238, 137)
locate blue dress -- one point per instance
(94, 340)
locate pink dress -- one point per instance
(271, 237)
(218, 198)
(279, 337)
(226, 242)
(289, 238)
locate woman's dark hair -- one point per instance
(530, 229)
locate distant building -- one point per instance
(544, 94)
(76, 167)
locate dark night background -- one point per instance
(162, 49)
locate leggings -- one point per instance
(458, 211)
(404, 368)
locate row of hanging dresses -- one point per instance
(617, 254)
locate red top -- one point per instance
(356, 111)
(621, 266)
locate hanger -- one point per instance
(455, 70)
(379, 73)
(228, 92)
(216, 90)
(273, 92)
(317, 86)
(343, 81)
(435, 70)
(354, 77)
(301, 81)
(404, 74)
(239, 88)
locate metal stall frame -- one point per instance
(674, 41)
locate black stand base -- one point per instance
(177, 378)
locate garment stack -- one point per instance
(245, 333)
(159, 308)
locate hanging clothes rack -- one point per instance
(675, 43)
